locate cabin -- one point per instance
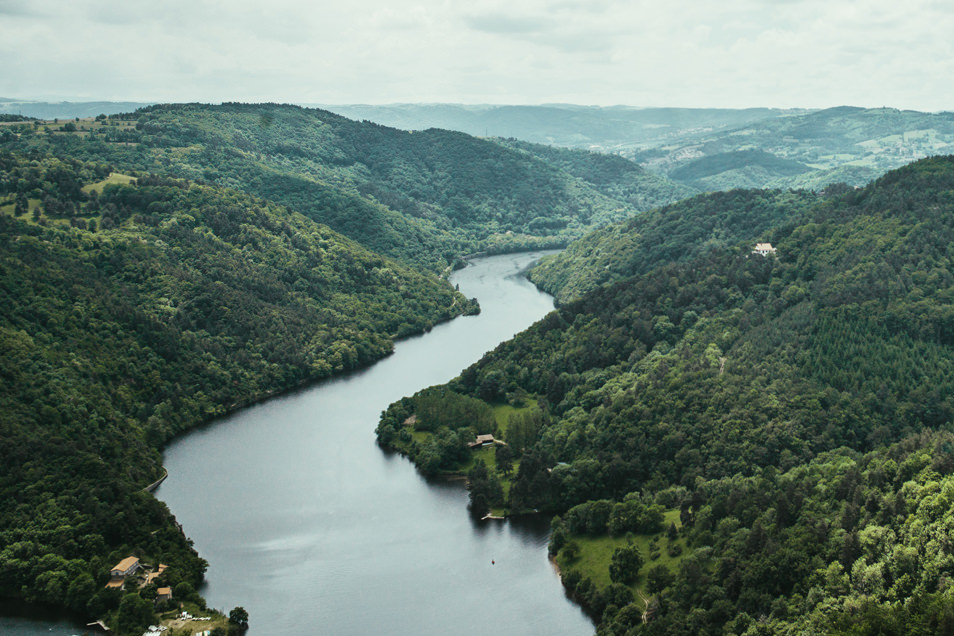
(482, 440)
(763, 249)
(124, 568)
(163, 594)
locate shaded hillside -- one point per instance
(737, 169)
(424, 197)
(680, 232)
(134, 309)
(612, 175)
(695, 385)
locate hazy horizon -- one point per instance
(697, 54)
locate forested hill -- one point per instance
(424, 197)
(676, 233)
(134, 308)
(802, 150)
(611, 175)
(789, 416)
(707, 149)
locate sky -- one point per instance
(690, 53)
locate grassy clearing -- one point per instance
(114, 177)
(503, 413)
(594, 555)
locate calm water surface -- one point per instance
(312, 528)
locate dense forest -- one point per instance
(162, 267)
(676, 233)
(426, 198)
(134, 307)
(788, 416)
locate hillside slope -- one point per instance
(677, 233)
(134, 309)
(722, 389)
(424, 197)
(803, 150)
(611, 175)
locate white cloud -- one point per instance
(640, 52)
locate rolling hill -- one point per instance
(424, 197)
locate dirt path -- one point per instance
(646, 603)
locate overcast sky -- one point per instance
(703, 53)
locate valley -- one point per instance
(694, 416)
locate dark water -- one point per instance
(19, 619)
(314, 529)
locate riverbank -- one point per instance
(325, 536)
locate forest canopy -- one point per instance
(137, 306)
(789, 412)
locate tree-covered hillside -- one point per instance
(802, 150)
(424, 197)
(134, 308)
(677, 233)
(707, 149)
(611, 175)
(792, 411)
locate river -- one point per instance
(312, 528)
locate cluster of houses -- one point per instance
(128, 567)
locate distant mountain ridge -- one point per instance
(607, 129)
(65, 109)
(735, 148)
(424, 197)
(847, 144)
(842, 144)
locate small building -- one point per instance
(116, 583)
(124, 568)
(163, 594)
(482, 440)
(763, 249)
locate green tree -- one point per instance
(503, 457)
(658, 578)
(625, 565)
(135, 613)
(238, 618)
